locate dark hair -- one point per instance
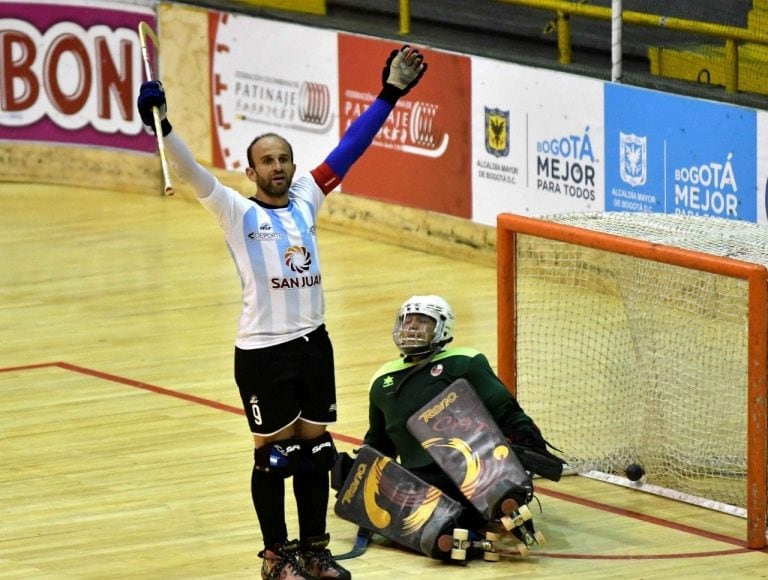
(262, 136)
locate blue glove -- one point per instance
(151, 94)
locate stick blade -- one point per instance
(362, 539)
(146, 31)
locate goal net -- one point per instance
(641, 338)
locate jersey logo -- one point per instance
(265, 234)
(297, 258)
(388, 381)
(436, 370)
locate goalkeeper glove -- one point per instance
(531, 449)
(151, 95)
(528, 435)
(402, 72)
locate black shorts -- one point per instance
(282, 383)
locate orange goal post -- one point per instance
(643, 338)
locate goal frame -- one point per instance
(756, 277)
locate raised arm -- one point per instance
(402, 71)
(151, 94)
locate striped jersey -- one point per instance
(275, 252)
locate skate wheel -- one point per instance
(507, 522)
(492, 536)
(525, 512)
(491, 556)
(457, 554)
(540, 539)
(523, 549)
(461, 534)
(529, 540)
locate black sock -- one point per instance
(268, 493)
(311, 488)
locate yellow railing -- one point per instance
(564, 10)
(309, 6)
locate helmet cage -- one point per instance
(417, 341)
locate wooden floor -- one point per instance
(123, 450)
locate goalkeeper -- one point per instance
(423, 329)
(284, 365)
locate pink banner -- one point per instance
(70, 74)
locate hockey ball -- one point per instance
(634, 472)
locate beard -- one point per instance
(273, 189)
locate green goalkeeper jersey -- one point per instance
(392, 403)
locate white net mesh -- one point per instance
(624, 360)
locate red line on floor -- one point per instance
(543, 490)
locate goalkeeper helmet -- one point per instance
(414, 334)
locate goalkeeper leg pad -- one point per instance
(403, 501)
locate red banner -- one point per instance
(422, 156)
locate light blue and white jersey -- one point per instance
(275, 251)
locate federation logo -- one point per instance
(497, 132)
(633, 159)
(297, 258)
(425, 132)
(280, 106)
(436, 370)
(314, 103)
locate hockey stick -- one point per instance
(145, 31)
(362, 539)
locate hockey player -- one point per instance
(423, 329)
(284, 365)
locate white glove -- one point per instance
(404, 68)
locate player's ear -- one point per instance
(250, 173)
